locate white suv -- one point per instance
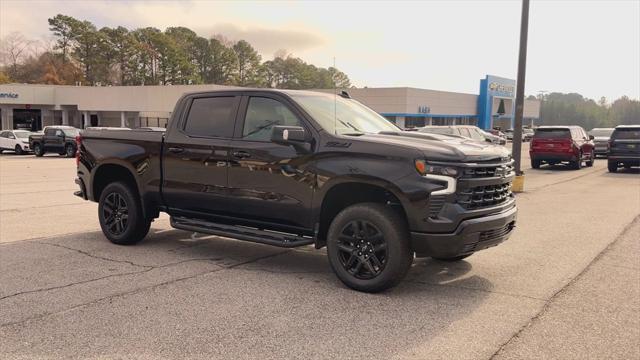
(15, 140)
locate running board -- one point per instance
(241, 233)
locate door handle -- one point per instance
(176, 150)
(240, 154)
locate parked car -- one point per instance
(15, 140)
(496, 139)
(467, 131)
(624, 147)
(509, 134)
(561, 144)
(527, 134)
(58, 139)
(601, 138)
(498, 132)
(293, 168)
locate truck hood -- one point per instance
(440, 147)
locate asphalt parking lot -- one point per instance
(566, 285)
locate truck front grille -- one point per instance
(504, 169)
(483, 196)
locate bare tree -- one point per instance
(13, 49)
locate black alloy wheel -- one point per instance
(362, 249)
(115, 213)
(18, 150)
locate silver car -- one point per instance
(601, 139)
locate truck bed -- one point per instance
(138, 150)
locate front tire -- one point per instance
(368, 247)
(38, 150)
(18, 150)
(120, 215)
(612, 166)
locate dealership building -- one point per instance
(31, 107)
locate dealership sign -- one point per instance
(8, 95)
(501, 88)
(424, 109)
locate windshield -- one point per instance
(627, 134)
(437, 130)
(71, 132)
(601, 132)
(343, 116)
(21, 134)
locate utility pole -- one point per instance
(522, 65)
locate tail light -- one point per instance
(568, 144)
(78, 145)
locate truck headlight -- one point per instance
(425, 168)
(445, 175)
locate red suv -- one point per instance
(556, 144)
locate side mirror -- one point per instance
(591, 137)
(288, 135)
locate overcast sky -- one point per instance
(589, 47)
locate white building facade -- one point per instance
(31, 107)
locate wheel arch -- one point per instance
(343, 192)
(115, 171)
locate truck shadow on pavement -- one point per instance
(216, 290)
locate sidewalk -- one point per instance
(597, 316)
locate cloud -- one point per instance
(267, 40)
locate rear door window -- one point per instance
(626, 134)
(211, 117)
(552, 134)
(50, 132)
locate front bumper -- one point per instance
(470, 236)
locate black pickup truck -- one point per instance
(60, 139)
(294, 168)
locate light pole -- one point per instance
(522, 64)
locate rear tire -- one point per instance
(38, 150)
(535, 164)
(612, 166)
(592, 158)
(120, 214)
(368, 247)
(454, 258)
(577, 165)
(18, 150)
